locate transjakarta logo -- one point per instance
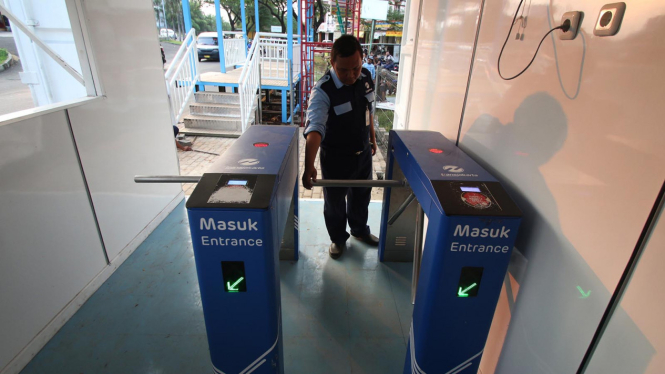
(453, 169)
(248, 161)
(212, 225)
(466, 231)
(456, 171)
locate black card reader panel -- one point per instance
(249, 191)
(461, 198)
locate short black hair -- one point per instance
(345, 46)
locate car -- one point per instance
(167, 33)
(207, 46)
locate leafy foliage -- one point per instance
(200, 21)
(395, 19)
(271, 13)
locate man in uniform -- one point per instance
(338, 123)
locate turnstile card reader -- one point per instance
(472, 228)
(237, 216)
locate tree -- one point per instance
(320, 10)
(395, 19)
(200, 21)
(271, 12)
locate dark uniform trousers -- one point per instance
(346, 154)
(337, 211)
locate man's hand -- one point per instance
(311, 148)
(308, 177)
(374, 148)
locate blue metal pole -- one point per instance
(310, 28)
(289, 48)
(187, 15)
(289, 29)
(220, 38)
(256, 15)
(284, 116)
(244, 23)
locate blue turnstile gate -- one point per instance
(243, 220)
(472, 227)
(238, 215)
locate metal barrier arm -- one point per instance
(318, 183)
(402, 208)
(167, 179)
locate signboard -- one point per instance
(374, 9)
(275, 28)
(394, 33)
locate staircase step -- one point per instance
(217, 110)
(212, 123)
(216, 98)
(209, 132)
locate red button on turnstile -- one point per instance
(261, 144)
(436, 150)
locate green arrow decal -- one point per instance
(231, 287)
(463, 293)
(584, 294)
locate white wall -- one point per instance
(447, 31)
(640, 310)
(52, 258)
(129, 132)
(50, 246)
(584, 164)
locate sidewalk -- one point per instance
(195, 163)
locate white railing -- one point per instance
(182, 75)
(248, 85)
(234, 52)
(274, 55)
(296, 59)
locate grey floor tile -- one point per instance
(325, 318)
(316, 355)
(328, 282)
(374, 318)
(377, 355)
(368, 284)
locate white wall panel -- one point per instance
(585, 165)
(406, 62)
(50, 248)
(445, 44)
(641, 311)
(130, 131)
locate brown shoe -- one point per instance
(336, 250)
(368, 239)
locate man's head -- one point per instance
(346, 59)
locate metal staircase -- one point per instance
(215, 113)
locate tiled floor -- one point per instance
(196, 163)
(346, 316)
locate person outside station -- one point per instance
(369, 65)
